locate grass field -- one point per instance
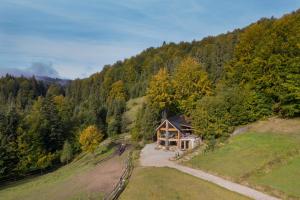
(266, 157)
(165, 183)
(58, 184)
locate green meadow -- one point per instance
(59, 184)
(266, 157)
(166, 183)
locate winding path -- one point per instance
(160, 158)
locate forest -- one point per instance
(219, 82)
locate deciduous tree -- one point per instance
(160, 92)
(90, 138)
(190, 84)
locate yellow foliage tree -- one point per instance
(160, 91)
(90, 138)
(190, 83)
(117, 92)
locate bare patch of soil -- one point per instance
(99, 180)
(104, 176)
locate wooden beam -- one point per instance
(186, 125)
(178, 143)
(157, 136)
(169, 129)
(167, 135)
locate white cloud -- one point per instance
(43, 69)
(37, 69)
(71, 59)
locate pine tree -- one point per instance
(51, 125)
(67, 153)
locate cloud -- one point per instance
(43, 69)
(71, 59)
(13, 71)
(37, 69)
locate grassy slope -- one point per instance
(166, 183)
(267, 156)
(285, 178)
(44, 187)
(132, 107)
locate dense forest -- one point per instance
(219, 82)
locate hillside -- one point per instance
(84, 178)
(266, 156)
(219, 82)
(49, 80)
(132, 108)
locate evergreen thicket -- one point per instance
(219, 82)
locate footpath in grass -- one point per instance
(165, 183)
(68, 182)
(266, 160)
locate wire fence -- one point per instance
(120, 186)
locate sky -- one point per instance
(75, 38)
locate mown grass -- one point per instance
(285, 178)
(46, 186)
(266, 160)
(244, 154)
(165, 183)
(87, 196)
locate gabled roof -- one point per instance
(177, 121)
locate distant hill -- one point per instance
(49, 80)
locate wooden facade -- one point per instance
(176, 134)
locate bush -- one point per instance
(146, 121)
(215, 116)
(114, 126)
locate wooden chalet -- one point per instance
(176, 133)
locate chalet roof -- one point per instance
(179, 121)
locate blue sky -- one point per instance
(75, 38)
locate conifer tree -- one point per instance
(67, 153)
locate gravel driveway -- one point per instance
(160, 158)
